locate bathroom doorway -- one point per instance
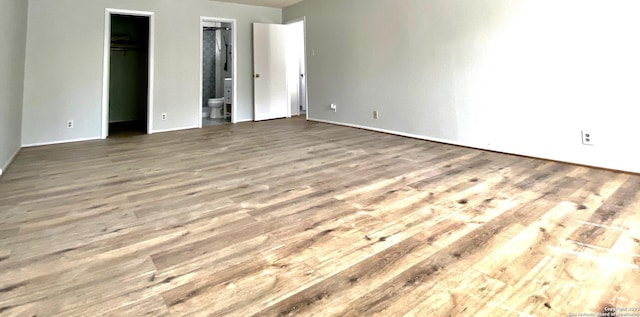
(127, 88)
(218, 68)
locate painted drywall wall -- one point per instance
(13, 17)
(521, 76)
(64, 59)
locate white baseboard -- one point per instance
(61, 142)
(175, 129)
(6, 165)
(409, 135)
(244, 120)
(438, 140)
(445, 141)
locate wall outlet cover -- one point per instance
(587, 138)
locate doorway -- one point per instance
(217, 72)
(296, 67)
(128, 73)
(279, 62)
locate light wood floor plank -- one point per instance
(289, 217)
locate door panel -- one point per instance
(295, 66)
(271, 98)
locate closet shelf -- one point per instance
(124, 47)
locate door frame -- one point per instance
(107, 63)
(234, 72)
(306, 58)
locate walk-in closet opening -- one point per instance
(128, 103)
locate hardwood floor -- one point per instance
(290, 217)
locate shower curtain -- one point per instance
(208, 65)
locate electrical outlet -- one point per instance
(334, 107)
(70, 124)
(587, 138)
(375, 115)
(164, 117)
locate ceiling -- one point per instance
(265, 3)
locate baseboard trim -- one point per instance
(409, 135)
(445, 141)
(11, 158)
(61, 142)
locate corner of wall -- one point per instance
(12, 62)
(6, 165)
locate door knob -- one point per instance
(302, 75)
(257, 75)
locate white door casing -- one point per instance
(107, 62)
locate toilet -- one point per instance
(216, 105)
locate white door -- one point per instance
(295, 65)
(293, 71)
(303, 74)
(271, 98)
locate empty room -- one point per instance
(319, 158)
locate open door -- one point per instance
(296, 67)
(271, 95)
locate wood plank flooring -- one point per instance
(289, 217)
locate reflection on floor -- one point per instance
(206, 122)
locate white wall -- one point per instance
(63, 76)
(13, 23)
(519, 76)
